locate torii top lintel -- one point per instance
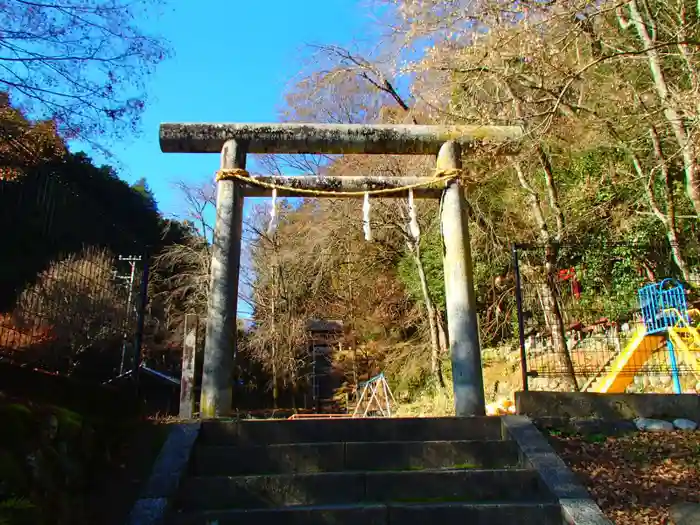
(334, 138)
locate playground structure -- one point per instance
(667, 324)
(376, 399)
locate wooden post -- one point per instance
(459, 292)
(187, 378)
(220, 347)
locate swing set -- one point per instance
(376, 399)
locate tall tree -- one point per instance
(141, 187)
(25, 145)
(353, 89)
(80, 63)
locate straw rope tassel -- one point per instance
(273, 213)
(413, 227)
(366, 220)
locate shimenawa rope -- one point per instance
(242, 175)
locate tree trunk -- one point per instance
(276, 271)
(275, 389)
(435, 367)
(442, 332)
(548, 290)
(552, 194)
(671, 111)
(668, 219)
(677, 253)
(551, 300)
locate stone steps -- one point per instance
(380, 471)
(391, 514)
(342, 488)
(348, 430)
(218, 460)
(599, 377)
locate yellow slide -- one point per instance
(686, 346)
(620, 372)
(686, 339)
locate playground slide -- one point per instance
(622, 369)
(686, 342)
(685, 337)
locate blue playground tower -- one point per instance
(663, 305)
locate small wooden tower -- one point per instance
(324, 338)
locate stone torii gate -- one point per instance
(235, 141)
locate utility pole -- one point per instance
(132, 260)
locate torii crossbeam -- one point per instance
(235, 141)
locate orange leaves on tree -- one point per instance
(25, 145)
(14, 337)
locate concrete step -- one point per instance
(349, 430)
(215, 460)
(404, 514)
(426, 486)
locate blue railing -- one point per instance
(661, 303)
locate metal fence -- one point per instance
(580, 315)
(71, 281)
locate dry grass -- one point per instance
(501, 373)
(431, 403)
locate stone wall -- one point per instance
(607, 406)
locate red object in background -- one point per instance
(565, 274)
(569, 274)
(576, 288)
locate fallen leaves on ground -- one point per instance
(637, 477)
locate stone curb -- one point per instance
(576, 505)
(610, 407)
(168, 471)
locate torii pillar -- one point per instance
(235, 141)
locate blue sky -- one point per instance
(233, 60)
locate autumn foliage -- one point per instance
(635, 478)
(24, 144)
(15, 335)
(73, 307)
